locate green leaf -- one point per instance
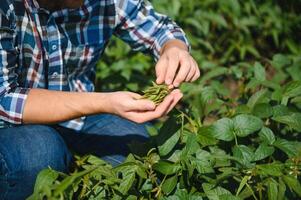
(175, 157)
(292, 89)
(169, 144)
(242, 184)
(246, 193)
(152, 130)
(213, 192)
(259, 72)
(280, 110)
(170, 127)
(95, 160)
(191, 146)
(293, 184)
(205, 136)
(221, 159)
(244, 153)
(253, 51)
(253, 83)
(258, 97)
(203, 162)
(281, 189)
(170, 184)
(69, 181)
(127, 180)
(217, 71)
(263, 151)
(45, 178)
(182, 194)
(267, 136)
(287, 147)
(141, 171)
(44, 181)
(280, 61)
(293, 120)
(228, 197)
(271, 169)
(147, 186)
(272, 189)
(131, 197)
(223, 129)
(245, 125)
(243, 109)
(215, 18)
(207, 94)
(167, 168)
(263, 110)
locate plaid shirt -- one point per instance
(59, 50)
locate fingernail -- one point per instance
(176, 91)
(168, 81)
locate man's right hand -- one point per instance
(130, 106)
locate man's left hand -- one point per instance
(176, 65)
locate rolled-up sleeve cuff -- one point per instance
(12, 106)
(172, 34)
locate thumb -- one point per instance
(142, 105)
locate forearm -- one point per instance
(48, 107)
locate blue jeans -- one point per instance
(27, 149)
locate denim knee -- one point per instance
(24, 151)
(113, 125)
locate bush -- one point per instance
(236, 135)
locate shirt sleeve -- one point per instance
(12, 97)
(144, 29)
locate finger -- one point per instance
(142, 105)
(173, 65)
(197, 74)
(141, 117)
(135, 95)
(177, 95)
(161, 69)
(177, 98)
(163, 107)
(183, 72)
(192, 71)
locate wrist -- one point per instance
(103, 103)
(174, 43)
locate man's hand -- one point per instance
(130, 106)
(176, 65)
(51, 107)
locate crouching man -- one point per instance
(48, 54)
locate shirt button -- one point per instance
(54, 75)
(54, 47)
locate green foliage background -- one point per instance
(236, 134)
(222, 33)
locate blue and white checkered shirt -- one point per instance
(59, 50)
